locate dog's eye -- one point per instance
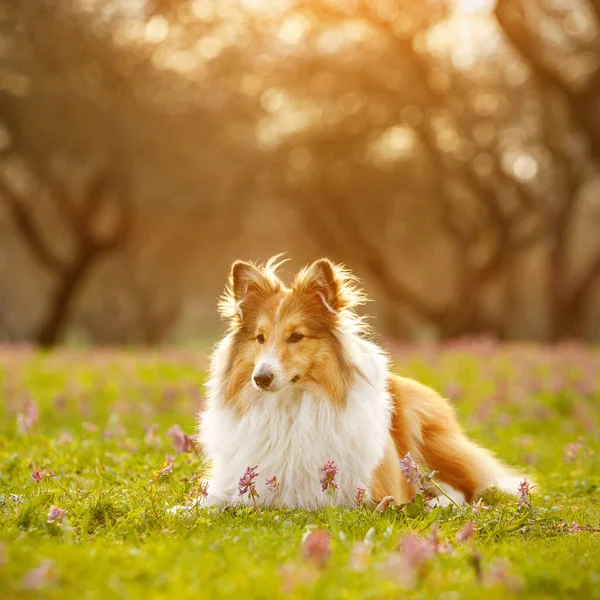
(295, 338)
(260, 338)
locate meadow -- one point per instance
(96, 446)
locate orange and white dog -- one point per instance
(295, 384)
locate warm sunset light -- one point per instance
(299, 299)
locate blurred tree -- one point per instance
(414, 141)
(577, 89)
(98, 221)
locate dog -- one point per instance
(296, 383)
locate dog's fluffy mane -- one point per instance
(265, 281)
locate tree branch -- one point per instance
(507, 15)
(30, 231)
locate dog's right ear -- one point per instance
(246, 281)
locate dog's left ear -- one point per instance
(335, 287)
(320, 278)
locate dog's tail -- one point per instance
(425, 424)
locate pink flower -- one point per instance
(479, 506)
(28, 419)
(317, 547)
(360, 496)
(416, 550)
(499, 574)
(272, 483)
(35, 579)
(37, 475)
(151, 437)
(56, 515)
(203, 489)
(166, 470)
(91, 427)
(437, 545)
(64, 438)
(572, 450)
(181, 441)
(406, 565)
(465, 534)
(575, 527)
(410, 470)
(246, 484)
(329, 471)
(524, 494)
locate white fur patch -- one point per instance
(441, 500)
(293, 433)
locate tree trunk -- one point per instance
(52, 327)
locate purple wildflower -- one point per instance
(329, 471)
(246, 484)
(201, 489)
(360, 496)
(181, 441)
(466, 533)
(37, 475)
(272, 483)
(410, 470)
(524, 495)
(167, 469)
(56, 515)
(572, 450)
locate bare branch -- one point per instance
(30, 231)
(508, 15)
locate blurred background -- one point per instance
(446, 151)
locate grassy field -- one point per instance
(90, 463)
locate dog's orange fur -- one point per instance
(425, 425)
(388, 480)
(271, 308)
(319, 302)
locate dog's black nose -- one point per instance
(263, 379)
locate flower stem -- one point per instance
(441, 489)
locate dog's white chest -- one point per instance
(293, 439)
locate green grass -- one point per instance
(118, 539)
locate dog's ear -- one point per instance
(332, 285)
(247, 281)
(245, 278)
(320, 279)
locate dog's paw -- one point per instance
(456, 497)
(438, 501)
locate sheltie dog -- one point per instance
(295, 383)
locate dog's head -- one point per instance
(289, 336)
